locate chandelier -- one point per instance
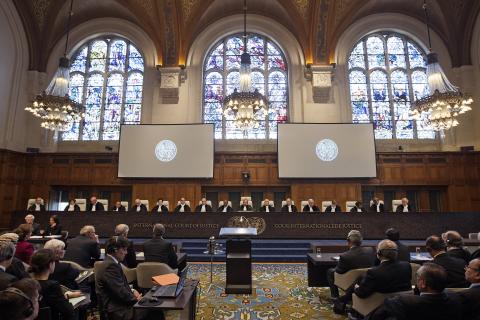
(447, 102)
(246, 106)
(53, 106)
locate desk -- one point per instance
(181, 258)
(42, 239)
(186, 301)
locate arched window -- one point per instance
(106, 76)
(387, 72)
(221, 77)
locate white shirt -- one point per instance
(378, 207)
(159, 209)
(311, 209)
(333, 208)
(244, 208)
(116, 209)
(182, 208)
(37, 207)
(3, 268)
(225, 207)
(267, 208)
(405, 208)
(138, 208)
(204, 209)
(94, 207)
(289, 208)
(71, 207)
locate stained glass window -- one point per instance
(268, 74)
(387, 72)
(106, 76)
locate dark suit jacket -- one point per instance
(120, 209)
(307, 208)
(143, 208)
(455, 270)
(470, 300)
(164, 209)
(285, 208)
(185, 209)
(53, 231)
(373, 208)
(6, 279)
(264, 209)
(440, 306)
(403, 252)
(389, 276)
(355, 258)
(249, 207)
(82, 250)
(337, 209)
(75, 208)
(131, 257)
(160, 250)
(113, 290)
(220, 209)
(35, 229)
(400, 208)
(208, 208)
(355, 209)
(54, 298)
(32, 207)
(460, 253)
(65, 274)
(17, 269)
(98, 207)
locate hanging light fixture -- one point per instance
(246, 106)
(447, 102)
(53, 106)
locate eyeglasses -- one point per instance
(474, 269)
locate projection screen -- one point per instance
(326, 151)
(166, 151)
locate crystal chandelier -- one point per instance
(53, 106)
(247, 107)
(446, 102)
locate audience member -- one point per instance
(289, 206)
(37, 206)
(470, 298)
(356, 257)
(455, 248)
(203, 206)
(405, 207)
(94, 205)
(30, 219)
(16, 267)
(403, 251)
(7, 251)
(454, 266)
(54, 228)
(20, 300)
(84, 249)
(225, 207)
(72, 206)
(358, 207)
(130, 260)
(160, 250)
(377, 206)
(24, 249)
(310, 207)
(267, 207)
(432, 303)
(182, 206)
(138, 207)
(118, 207)
(43, 264)
(245, 206)
(64, 273)
(160, 207)
(334, 207)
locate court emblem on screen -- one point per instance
(326, 150)
(166, 150)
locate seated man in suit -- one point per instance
(225, 207)
(203, 206)
(356, 257)
(405, 207)
(455, 248)
(94, 205)
(471, 298)
(121, 230)
(289, 207)
(160, 207)
(138, 207)
(334, 207)
(454, 266)
(30, 219)
(311, 207)
(84, 249)
(7, 252)
(390, 276)
(118, 207)
(183, 206)
(20, 301)
(377, 206)
(72, 206)
(403, 250)
(37, 206)
(245, 206)
(266, 207)
(432, 303)
(358, 207)
(160, 250)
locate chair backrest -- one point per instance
(146, 203)
(248, 198)
(32, 202)
(82, 203)
(147, 270)
(250, 203)
(74, 265)
(367, 305)
(130, 273)
(303, 203)
(395, 204)
(125, 204)
(284, 203)
(220, 203)
(349, 205)
(104, 202)
(270, 202)
(208, 202)
(379, 201)
(325, 204)
(415, 267)
(187, 202)
(474, 236)
(345, 280)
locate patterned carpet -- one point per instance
(280, 292)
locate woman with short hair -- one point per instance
(64, 272)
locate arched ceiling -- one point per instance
(173, 24)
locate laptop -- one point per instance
(174, 290)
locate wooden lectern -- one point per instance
(239, 259)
